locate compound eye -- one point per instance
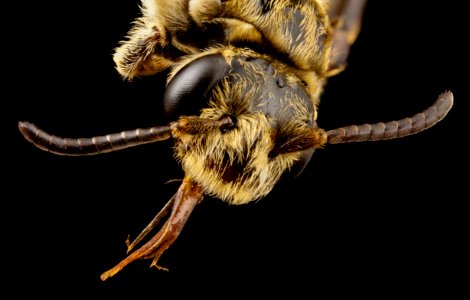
(187, 92)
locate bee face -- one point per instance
(268, 106)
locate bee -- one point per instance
(243, 89)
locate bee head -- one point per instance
(267, 124)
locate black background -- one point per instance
(363, 219)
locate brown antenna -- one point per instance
(394, 129)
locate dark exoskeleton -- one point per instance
(245, 79)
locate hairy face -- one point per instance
(242, 164)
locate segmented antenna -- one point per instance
(394, 129)
(93, 145)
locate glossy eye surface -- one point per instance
(187, 92)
